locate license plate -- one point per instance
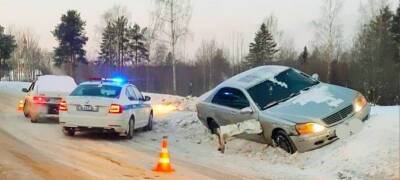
(86, 108)
(348, 128)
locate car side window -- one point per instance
(231, 97)
(137, 93)
(130, 93)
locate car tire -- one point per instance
(149, 125)
(131, 128)
(26, 113)
(34, 119)
(213, 126)
(69, 131)
(282, 140)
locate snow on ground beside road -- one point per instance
(373, 153)
(13, 86)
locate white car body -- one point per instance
(43, 96)
(136, 109)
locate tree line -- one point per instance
(154, 55)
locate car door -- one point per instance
(135, 106)
(143, 106)
(227, 105)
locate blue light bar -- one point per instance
(118, 80)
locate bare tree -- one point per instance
(28, 59)
(285, 42)
(271, 22)
(172, 21)
(370, 9)
(328, 32)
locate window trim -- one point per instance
(129, 95)
(238, 109)
(141, 97)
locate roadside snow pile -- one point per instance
(373, 153)
(180, 103)
(13, 86)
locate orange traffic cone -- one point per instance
(20, 106)
(164, 164)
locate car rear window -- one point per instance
(107, 91)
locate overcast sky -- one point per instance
(217, 19)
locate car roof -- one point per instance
(55, 83)
(254, 76)
(105, 83)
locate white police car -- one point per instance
(107, 105)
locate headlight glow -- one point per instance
(359, 103)
(309, 128)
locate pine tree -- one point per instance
(376, 57)
(108, 50)
(70, 34)
(121, 29)
(123, 44)
(137, 44)
(396, 29)
(304, 56)
(263, 49)
(7, 46)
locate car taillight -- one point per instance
(115, 108)
(39, 100)
(63, 106)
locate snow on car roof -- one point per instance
(54, 83)
(254, 76)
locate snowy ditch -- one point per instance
(371, 154)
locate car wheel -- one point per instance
(26, 113)
(69, 131)
(283, 141)
(34, 119)
(149, 126)
(131, 129)
(213, 126)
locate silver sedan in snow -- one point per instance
(296, 111)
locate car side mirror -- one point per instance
(315, 76)
(246, 110)
(25, 90)
(147, 98)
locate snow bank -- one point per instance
(180, 103)
(13, 86)
(373, 153)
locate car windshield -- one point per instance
(107, 91)
(285, 85)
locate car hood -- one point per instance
(314, 104)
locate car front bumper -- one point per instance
(307, 143)
(115, 122)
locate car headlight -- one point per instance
(359, 103)
(309, 128)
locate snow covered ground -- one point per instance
(371, 154)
